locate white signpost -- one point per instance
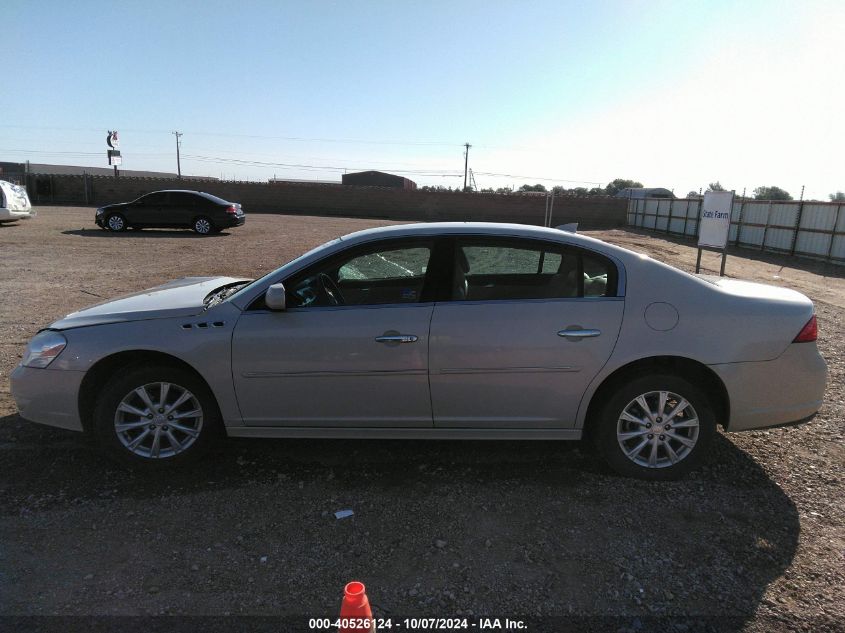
(714, 225)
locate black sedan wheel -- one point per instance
(116, 222)
(203, 226)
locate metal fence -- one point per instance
(807, 229)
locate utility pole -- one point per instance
(178, 161)
(466, 163)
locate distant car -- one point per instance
(435, 331)
(14, 203)
(197, 210)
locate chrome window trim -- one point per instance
(338, 245)
(373, 306)
(538, 300)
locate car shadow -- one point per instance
(145, 233)
(547, 516)
(782, 260)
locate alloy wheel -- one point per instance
(657, 429)
(158, 420)
(116, 223)
(202, 226)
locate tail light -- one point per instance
(232, 209)
(809, 332)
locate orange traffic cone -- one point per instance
(355, 613)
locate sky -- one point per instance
(674, 94)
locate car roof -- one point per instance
(177, 191)
(485, 228)
(202, 194)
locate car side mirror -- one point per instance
(274, 298)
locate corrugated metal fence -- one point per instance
(806, 229)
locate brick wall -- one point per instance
(346, 201)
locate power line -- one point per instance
(255, 163)
(280, 138)
(253, 136)
(59, 153)
(328, 140)
(442, 173)
(336, 160)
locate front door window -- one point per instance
(385, 275)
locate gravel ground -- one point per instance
(754, 540)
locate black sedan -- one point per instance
(197, 210)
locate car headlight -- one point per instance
(43, 349)
(99, 211)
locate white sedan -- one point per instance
(435, 331)
(14, 203)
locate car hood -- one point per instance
(180, 297)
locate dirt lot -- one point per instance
(754, 540)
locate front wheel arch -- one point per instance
(691, 370)
(104, 368)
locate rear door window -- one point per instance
(513, 269)
(184, 200)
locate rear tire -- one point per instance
(155, 416)
(202, 226)
(657, 427)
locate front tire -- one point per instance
(116, 223)
(154, 416)
(657, 427)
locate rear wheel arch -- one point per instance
(694, 371)
(105, 368)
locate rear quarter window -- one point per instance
(212, 198)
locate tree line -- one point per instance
(611, 189)
(767, 193)
(615, 186)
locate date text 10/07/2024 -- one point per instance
(417, 624)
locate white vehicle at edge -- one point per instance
(14, 203)
(435, 331)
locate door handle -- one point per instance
(579, 334)
(397, 338)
